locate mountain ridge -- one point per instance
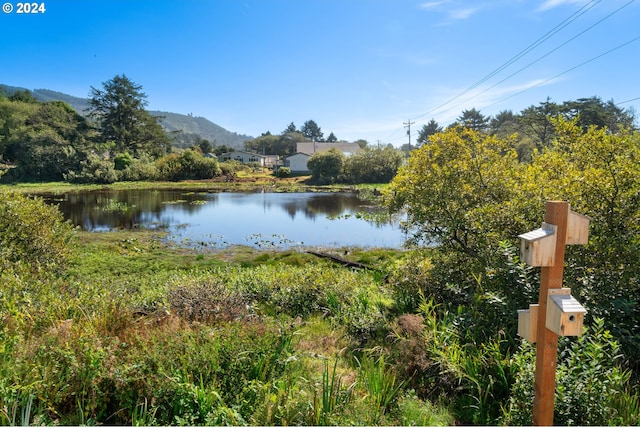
(184, 129)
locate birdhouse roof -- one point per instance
(539, 233)
(568, 304)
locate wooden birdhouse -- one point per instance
(528, 323)
(577, 229)
(538, 247)
(565, 315)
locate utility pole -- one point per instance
(408, 124)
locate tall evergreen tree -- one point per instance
(311, 130)
(290, 128)
(474, 119)
(426, 131)
(119, 108)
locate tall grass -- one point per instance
(332, 397)
(379, 380)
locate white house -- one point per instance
(243, 157)
(271, 160)
(297, 162)
(347, 148)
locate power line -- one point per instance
(522, 53)
(628, 100)
(543, 56)
(569, 70)
(545, 37)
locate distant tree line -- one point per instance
(285, 143)
(119, 140)
(533, 126)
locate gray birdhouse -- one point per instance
(528, 323)
(565, 315)
(538, 247)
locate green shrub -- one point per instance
(187, 165)
(591, 383)
(230, 167)
(33, 233)
(122, 161)
(208, 302)
(283, 172)
(142, 169)
(94, 170)
(472, 377)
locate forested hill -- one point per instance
(184, 129)
(187, 128)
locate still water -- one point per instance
(264, 220)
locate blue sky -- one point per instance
(359, 68)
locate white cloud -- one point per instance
(550, 4)
(454, 10)
(433, 4)
(462, 13)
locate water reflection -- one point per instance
(220, 219)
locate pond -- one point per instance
(218, 220)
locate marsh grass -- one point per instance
(137, 331)
(379, 380)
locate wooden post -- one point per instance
(557, 213)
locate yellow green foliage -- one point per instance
(33, 233)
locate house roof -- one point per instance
(315, 147)
(298, 154)
(241, 152)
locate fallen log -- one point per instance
(342, 261)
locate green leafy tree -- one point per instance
(282, 145)
(373, 164)
(119, 108)
(187, 165)
(362, 143)
(445, 181)
(221, 149)
(264, 144)
(205, 146)
(326, 166)
(467, 192)
(48, 143)
(505, 124)
(594, 112)
(289, 143)
(23, 96)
